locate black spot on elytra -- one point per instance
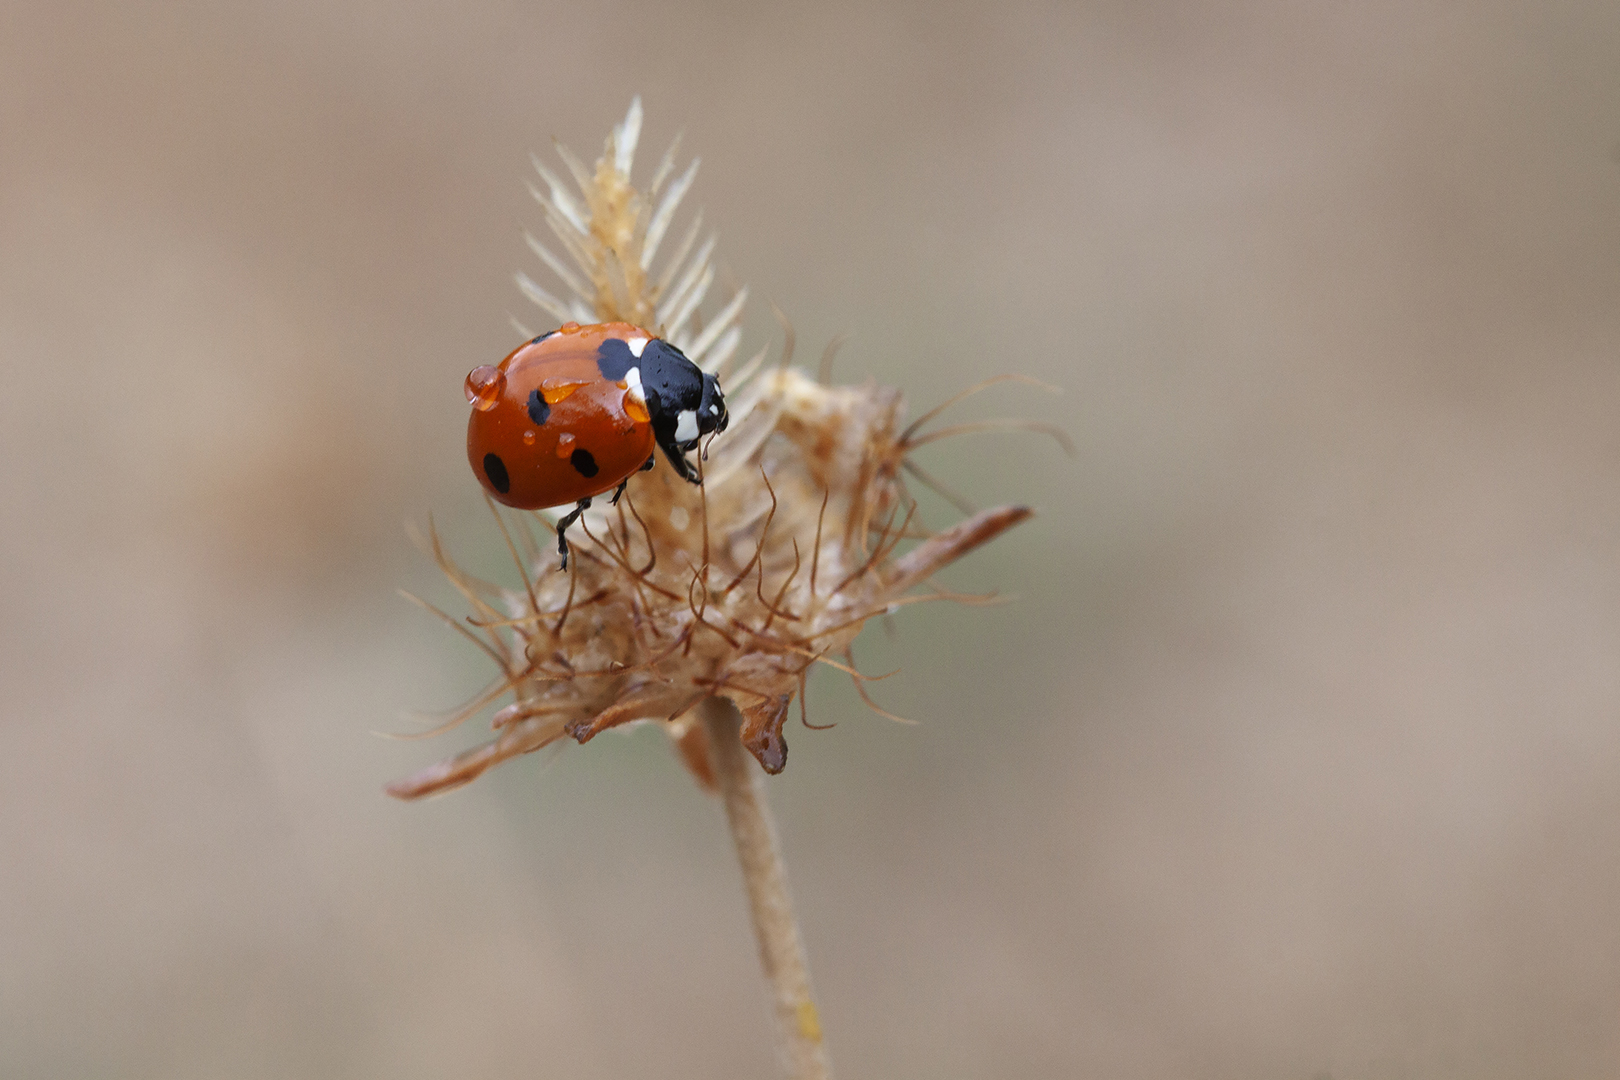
(582, 462)
(538, 409)
(495, 469)
(614, 359)
(542, 337)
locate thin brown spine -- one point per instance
(1000, 423)
(962, 395)
(815, 554)
(460, 628)
(511, 548)
(772, 609)
(764, 533)
(860, 688)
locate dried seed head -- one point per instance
(731, 589)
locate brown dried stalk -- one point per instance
(781, 952)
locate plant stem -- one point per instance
(781, 950)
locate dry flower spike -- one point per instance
(734, 589)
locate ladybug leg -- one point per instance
(683, 468)
(652, 459)
(562, 527)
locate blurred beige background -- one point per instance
(1299, 758)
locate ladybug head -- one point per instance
(712, 415)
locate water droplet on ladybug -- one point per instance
(565, 445)
(528, 438)
(558, 389)
(484, 387)
(569, 327)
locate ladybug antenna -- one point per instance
(703, 494)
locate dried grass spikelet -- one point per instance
(732, 589)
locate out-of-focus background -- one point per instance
(1299, 757)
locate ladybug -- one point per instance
(574, 413)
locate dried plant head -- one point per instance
(734, 588)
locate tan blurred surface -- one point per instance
(1300, 756)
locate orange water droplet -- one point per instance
(636, 409)
(484, 387)
(569, 327)
(565, 445)
(558, 389)
(528, 438)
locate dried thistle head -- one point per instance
(732, 589)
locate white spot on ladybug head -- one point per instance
(636, 345)
(715, 409)
(632, 379)
(686, 426)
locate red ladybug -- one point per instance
(575, 412)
